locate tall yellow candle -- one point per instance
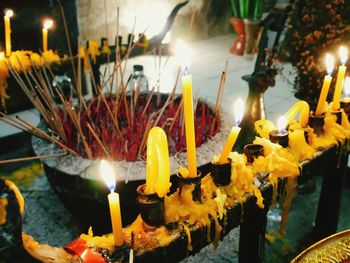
(231, 140)
(8, 15)
(108, 177)
(326, 84)
(47, 25)
(343, 53)
(189, 124)
(157, 163)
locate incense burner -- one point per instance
(78, 184)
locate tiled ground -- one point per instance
(48, 221)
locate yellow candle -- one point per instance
(107, 175)
(157, 163)
(301, 107)
(8, 15)
(47, 25)
(238, 112)
(326, 84)
(229, 144)
(114, 208)
(189, 124)
(343, 53)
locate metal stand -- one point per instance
(326, 221)
(253, 228)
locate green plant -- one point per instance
(315, 27)
(247, 9)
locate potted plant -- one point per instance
(246, 23)
(315, 27)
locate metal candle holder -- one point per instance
(151, 207)
(196, 181)
(221, 173)
(317, 123)
(280, 137)
(252, 151)
(338, 114)
(345, 105)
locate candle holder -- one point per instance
(252, 151)
(345, 105)
(196, 181)
(306, 135)
(221, 173)
(338, 114)
(151, 207)
(279, 137)
(317, 123)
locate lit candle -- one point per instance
(238, 111)
(8, 15)
(343, 53)
(184, 52)
(326, 84)
(47, 25)
(345, 101)
(280, 135)
(108, 177)
(303, 109)
(346, 97)
(157, 163)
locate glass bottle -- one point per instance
(138, 81)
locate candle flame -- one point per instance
(9, 13)
(107, 174)
(183, 54)
(238, 111)
(282, 124)
(48, 23)
(347, 87)
(343, 54)
(2, 55)
(329, 63)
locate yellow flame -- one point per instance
(238, 110)
(343, 54)
(107, 174)
(48, 23)
(182, 54)
(347, 86)
(9, 13)
(2, 55)
(282, 123)
(329, 63)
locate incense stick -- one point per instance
(32, 158)
(68, 40)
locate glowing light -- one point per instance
(343, 54)
(48, 23)
(347, 87)
(151, 17)
(107, 174)
(2, 55)
(282, 124)
(329, 63)
(9, 13)
(167, 38)
(238, 111)
(183, 54)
